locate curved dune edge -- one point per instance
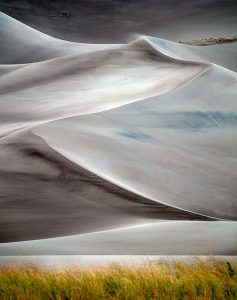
(44, 47)
(52, 196)
(215, 54)
(75, 198)
(143, 100)
(34, 46)
(160, 238)
(125, 187)
(216, 75)
(156, 74)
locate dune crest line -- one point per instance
(97, 140)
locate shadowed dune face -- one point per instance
(190, 167)
(35, 46)
(109, 21)
(44, 195)
(100, 137)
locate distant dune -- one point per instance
(210, 41)
(129, 147)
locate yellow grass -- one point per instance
(195, 279)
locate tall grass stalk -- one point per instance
(175, 279)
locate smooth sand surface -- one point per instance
(178, 148)
(161, 238)
(44, 195)
(94, 138)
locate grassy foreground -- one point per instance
(195, 279)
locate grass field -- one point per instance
(194, 279)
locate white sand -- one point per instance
(154, 122)
(167, 238)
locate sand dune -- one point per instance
(159, 238)
(177, 148)
(123, 75)
(223, 55)
(34, 46)
(45, 195)
(101, 137)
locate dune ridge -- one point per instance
(77, 200)
(100, 137)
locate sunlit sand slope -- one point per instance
(102, 137)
